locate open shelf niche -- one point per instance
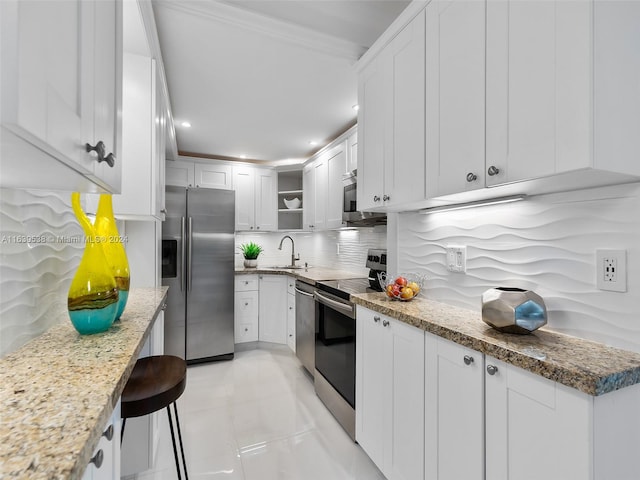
(289, 187)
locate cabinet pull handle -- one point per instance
(376, 198)
(385, 323)
(468, 359)
(164, 210)
(471, 177)
(492, 369)
(99, 148)
(108, 433)
(97, 459)
(386, 197)
(493, 171)
(376, 319)
(110, 159)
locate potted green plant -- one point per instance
(250, 251)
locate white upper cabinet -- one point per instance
(336, 167)
(179, 173)
(61, 89)
(256, 198)
(455, 73)
(352, 152)
(562, 90)
(309, 205)
(391, 122)
(213, 175)
(320, 187)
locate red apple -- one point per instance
(401, 281)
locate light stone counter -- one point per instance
(588, 366)
(309, 275)
(58, 391)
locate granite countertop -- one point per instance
(591, 367)
(58, 391)
(309, 275)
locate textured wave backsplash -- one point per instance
(547, 244)
(41, 249)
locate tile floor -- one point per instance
(257, 418)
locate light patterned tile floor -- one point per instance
(257, 418)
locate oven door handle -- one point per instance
(303, 293)
(339, 306)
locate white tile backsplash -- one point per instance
(41, 245)
(547, 244)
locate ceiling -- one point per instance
(261, 79)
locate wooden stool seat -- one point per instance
(155, 383)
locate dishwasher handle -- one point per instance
(303, 293)
(344, 308)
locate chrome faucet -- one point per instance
(293, 248)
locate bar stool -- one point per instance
(156, 383)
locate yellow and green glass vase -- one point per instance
(112, 243)
(93, 296)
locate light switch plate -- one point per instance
(457, 258)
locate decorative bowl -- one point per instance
(403, 287)
(513, 310)
(293, 203)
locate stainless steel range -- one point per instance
(335, 345)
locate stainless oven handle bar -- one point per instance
(348, 310)
(303, 293)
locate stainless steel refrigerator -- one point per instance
(198, 267)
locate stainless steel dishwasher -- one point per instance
(306, 325)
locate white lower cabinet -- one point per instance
(272, 316)
(105, 461)
(291, 313)
(390, 394)
(454, 411)
(246, 308)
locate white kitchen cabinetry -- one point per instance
(272, 316)
(561, 90)
(309, 205)
(455, 78)
(188, 173)
(315, 183)
(179, 173)
(291, 313)
(336, 168)
(289, 188)
(256, 198)
(246, 308)
(61, 88)
(454, 411)
(352, 152)
(390, 394)
(391, 122)
(105, 461)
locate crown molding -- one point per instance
(278, 29)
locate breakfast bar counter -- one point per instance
(58, 391)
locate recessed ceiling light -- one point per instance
(313, 143)
(243, 156)
(356, 107)
(185, 124)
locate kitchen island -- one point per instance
(58, 391)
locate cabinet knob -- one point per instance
(164, 210)
(108, 433)
(251, 227)
(258, 228)
(246, 304)
(493, 171)
(290, 308)
(468, 359)
(97, 459)
(376, 319)
(492, 369)
(386, 197)
(246, 329)
(376, 198)
(246, 282)
(290, 335)
(385, 323)
(99, 148)
(471, 177)
(164, 306)
(110, 159)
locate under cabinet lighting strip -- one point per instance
(476, 203)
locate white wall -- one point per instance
(544, 243)
(343, 249)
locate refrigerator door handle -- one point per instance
(182, 254)
(189, 250)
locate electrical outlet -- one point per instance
(611, 270)
(457, 258)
